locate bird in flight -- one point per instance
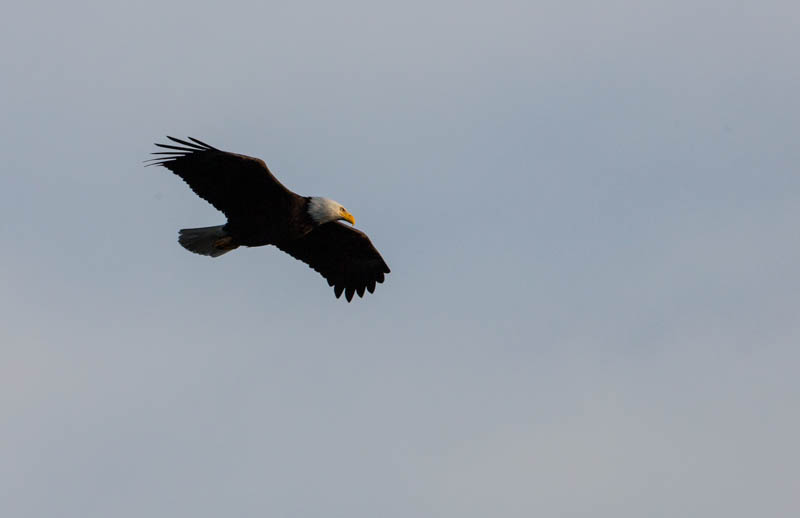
(261, 211)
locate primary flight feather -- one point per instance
(261, 211)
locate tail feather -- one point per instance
(213, 241)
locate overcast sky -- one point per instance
(591, 214)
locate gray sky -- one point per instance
(591, 215)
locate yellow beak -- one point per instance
(349, 217)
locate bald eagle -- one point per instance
(261, 211)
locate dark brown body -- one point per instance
(267, 229)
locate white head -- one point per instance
(323, 210)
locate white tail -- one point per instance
(213, 241)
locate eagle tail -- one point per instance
(213, 241)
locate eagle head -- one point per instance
(324, 210)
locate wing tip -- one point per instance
(194, 144)
(177, 152)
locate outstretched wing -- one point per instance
(343, 255)
(237, 185)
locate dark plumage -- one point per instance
(261, 211)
